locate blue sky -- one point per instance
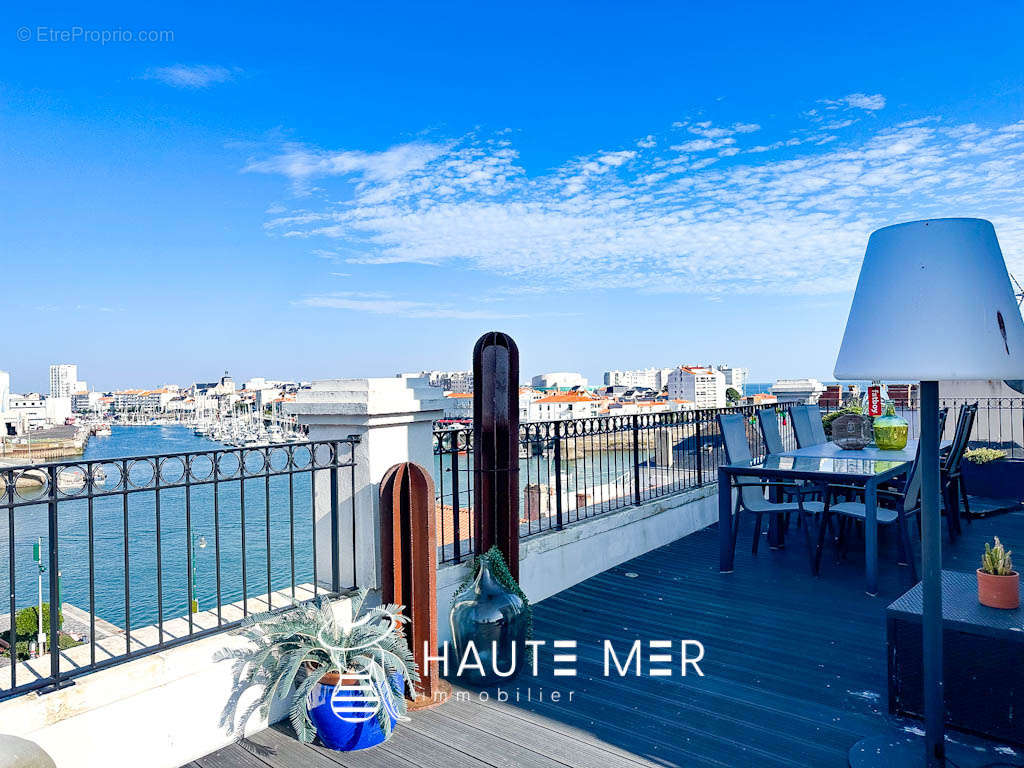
(354, 190)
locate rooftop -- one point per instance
(794, 670)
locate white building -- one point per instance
(805, 391)
(649, 378)
(735, 377)
(458, 405)
(704, 387)
(33, 411)
(86, 402)
(64, 380)
(449, 381)
(5, 391)
(561, 380)
(563, 405)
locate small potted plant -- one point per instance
(998, 583)
(347, 684)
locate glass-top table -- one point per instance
(822, 464)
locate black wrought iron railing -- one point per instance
(999, 422)
(576, 469)
(134, 555)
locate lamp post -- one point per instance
(944, 284)
(199, 541)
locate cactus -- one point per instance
(996, 559)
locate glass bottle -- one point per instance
(890, 430)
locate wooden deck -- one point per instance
(795, 670)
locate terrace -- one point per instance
(618, 543)
(794, 671)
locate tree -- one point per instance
(26, 622)
(732, 395)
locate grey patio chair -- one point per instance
(769, 422)
(817, 427)
(895, 506)
(751, 494)
(953, 489)
(804, 421)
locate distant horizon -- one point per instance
(239, 380)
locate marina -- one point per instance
(134, 518)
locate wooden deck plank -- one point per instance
(795, 669)
(572, 747)
(497, 751)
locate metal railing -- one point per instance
(576, 469)
(999, 422)
(146, 552)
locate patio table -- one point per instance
(823, 465)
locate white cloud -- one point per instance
(193, 76)
(383, 304)
(864, 101)
(792, 221)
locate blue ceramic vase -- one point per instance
(494, 620)
(340, 714)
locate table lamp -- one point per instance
(940, 287)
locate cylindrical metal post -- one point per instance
(558, 475)
(931, 566)
(54, 566)
(636, 460)
(336, 524)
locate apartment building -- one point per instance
(64, 380)
(735, 377)
(648, 378)
(703, 386)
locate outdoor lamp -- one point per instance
(942, 287)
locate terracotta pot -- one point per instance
(331, 678)
(999, 591)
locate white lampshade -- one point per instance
(933, 303)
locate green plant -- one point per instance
(292, 650)
(984, 455)
(26, 621)
(996, 559)
(828, 418)
(504, 576)
(732, 395)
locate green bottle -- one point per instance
(890, 429)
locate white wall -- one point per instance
(552, 562)
(159, 711)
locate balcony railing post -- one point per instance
(335, 521)
(54, 565)
(456, 506)
(558, 475)
(699, 448)
(636, 459)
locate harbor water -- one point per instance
(153, 591)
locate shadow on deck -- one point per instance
(795, 669)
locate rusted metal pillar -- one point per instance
(409, 567)
(496, 446)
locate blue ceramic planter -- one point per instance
(340, 724)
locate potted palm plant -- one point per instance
(998, 583)
(347, 683)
